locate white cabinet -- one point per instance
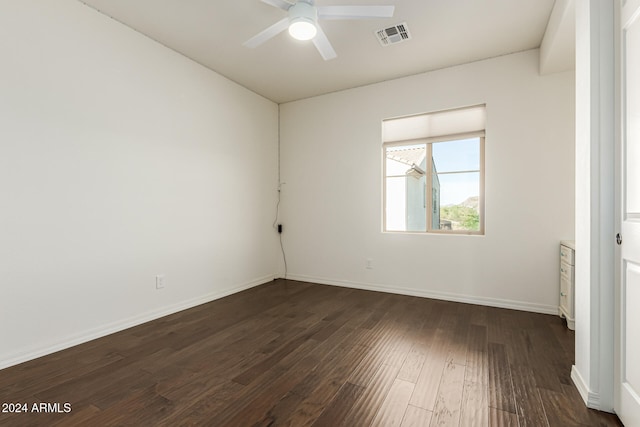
(567, 282)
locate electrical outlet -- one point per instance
(369, 264)
(160, 281)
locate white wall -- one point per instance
(121, 160)
(332, 199)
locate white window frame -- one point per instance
(429, 181)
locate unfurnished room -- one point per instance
(320, 213)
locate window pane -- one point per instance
(458, 201)
(461, 155)
(405, 183)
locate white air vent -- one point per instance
(392, 35)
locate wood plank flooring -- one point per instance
(299, 354)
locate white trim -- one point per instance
(120, 325)
(591, 399)
(446, 296)
(580, 384)
(595, 199)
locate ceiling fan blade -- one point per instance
(323, 45)
(265, 35)
(355, 12)
(280, 4)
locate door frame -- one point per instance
(620, 165)
(618, 211)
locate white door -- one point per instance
(628, 334)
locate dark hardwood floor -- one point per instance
(300, 354)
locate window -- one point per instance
(434, 172)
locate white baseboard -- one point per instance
(446, 296)
(120, 325)
(580, 384)
(591, 399)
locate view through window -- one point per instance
(435, 183)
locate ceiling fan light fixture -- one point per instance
(302, 29)
(302, 21)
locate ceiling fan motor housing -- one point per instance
(303, 11)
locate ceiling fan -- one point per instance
(303, 18)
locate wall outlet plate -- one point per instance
(160, 281)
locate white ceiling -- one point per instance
(444, 33)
